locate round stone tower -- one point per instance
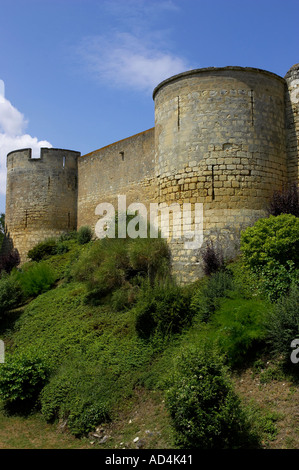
(292, 121)
(41, 196)
(219, 141)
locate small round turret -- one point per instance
(41, 197)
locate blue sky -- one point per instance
(79, 74)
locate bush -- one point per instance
(239, 328)
(84, 235)
(205, 411)
(10, 292)
(276, 279)
(113, 263)
(212, 259)
(22, 378)
(275, 239)
(36, 279)
(43, 250)
(285, 201)
(271, 251)
(9, 261)
(282, 324)
(205, 300)
(162, 308)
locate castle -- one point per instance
(225, 137)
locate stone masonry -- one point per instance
(224, 137)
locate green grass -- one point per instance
(98, 360)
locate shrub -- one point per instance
(68, 236)
(10, 292)
(275, 239)
(162, 308)
(240, 329)
(205, 300)
(206, 413)
(9, 261)
(61, 248)
(282, 325)
(271, 250)
(212, 259)
(43, 250)
(36, 279)
(276, 279)
(113, 263)
(285, 201)
(149, 257)
(84, 235)
(22, 378)
(124, 297)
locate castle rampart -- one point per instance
(225, 137)
(41, 196)
(220, 140)
(125, 167)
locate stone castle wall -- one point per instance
(123, 168)
(224, 137)
(41, 196)
(220, 141)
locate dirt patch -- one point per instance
(280, 397)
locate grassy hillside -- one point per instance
(102, 344)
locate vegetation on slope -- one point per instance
(98, 320)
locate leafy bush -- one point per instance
(271, 250)
(212, 259)
(84, 235)
(22, 378)
(285, 201)
(239, 328)
(276, 279)
(275, 239)
(113, 263)
(162, 308)
(206, 413)
(205, 299)
(10, 292)
(73, 235)
(9, 260)
(36, 279)
(149, 257)
(43, 250)
(282, 325)
(61, 247)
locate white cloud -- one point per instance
(13, 136)
(127, 60)
(12, 122)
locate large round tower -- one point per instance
(41, 196)
(220, 141)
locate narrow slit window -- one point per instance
(122, 155)
(213, 191)
(252, 106)
(63, 162)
